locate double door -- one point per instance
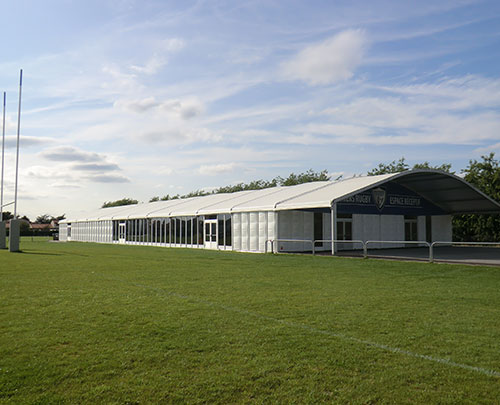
(210, 234)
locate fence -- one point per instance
(365, 244)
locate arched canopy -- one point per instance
(452, 194)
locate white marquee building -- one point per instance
(415, 205)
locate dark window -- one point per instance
(344, 216)
(228, 231)
(207, 232)
(220, 239)
(428, 228)
(200, 232)
(318, 228)
(195, 231)
(344, 226)
(188, 232)
(411, 229)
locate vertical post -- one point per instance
(14, 232)
(3, 156)
(18, 135)
(3, 233)
(276, 248)
(224, 229)
(333, 215)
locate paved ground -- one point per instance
(453, 254)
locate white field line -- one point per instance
(447, 362)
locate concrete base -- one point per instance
(14, 235)
(3, 235)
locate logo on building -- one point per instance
(379, 197)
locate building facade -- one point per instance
(390, 210)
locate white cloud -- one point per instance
(70, 154)
(220, 168)
(96, 167)
(332, 60)
(159, 59)
(108, 178)
(40, 172)
(152, 66)
(26, 141)
(185, 109)
(138, 106)
(180, 135)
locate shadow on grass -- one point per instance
(40, 253)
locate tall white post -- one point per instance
(333, 215)
(3, 156)
(18, 136)
(15, 224)
(2, 223)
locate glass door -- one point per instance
(210, 233)
(344, 231)
(121, 232)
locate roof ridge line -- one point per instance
(304, 193)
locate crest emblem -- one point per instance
(379, 197)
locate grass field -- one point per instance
(88, 323)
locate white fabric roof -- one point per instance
(447, 191)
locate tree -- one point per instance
(6, 215)
(445, 167)
(306, 177)
(117, 203)
(291, 180)
(393, 167)
(43, 219)
(400, 165)
(484, 175)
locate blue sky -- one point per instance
(143, 98)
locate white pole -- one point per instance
(3, 157)
(333, 212)
(18, 132)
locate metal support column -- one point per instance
(333, 215)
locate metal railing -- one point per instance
(339, 241)
(289, 241)
(431, 247)
(365, 244)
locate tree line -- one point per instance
(41, 219)
(484, 174)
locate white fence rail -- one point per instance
(431, 248)
(335, 241)
(365, 244)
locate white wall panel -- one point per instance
(245, 232)
(441, 228)
(271, 225)
(392, 227)
(284, 229)
(371, 229)
(254, 231)
(262, 231)
(63, 232)
(236, 224)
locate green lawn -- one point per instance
(89, 323)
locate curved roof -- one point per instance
(449, 192)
